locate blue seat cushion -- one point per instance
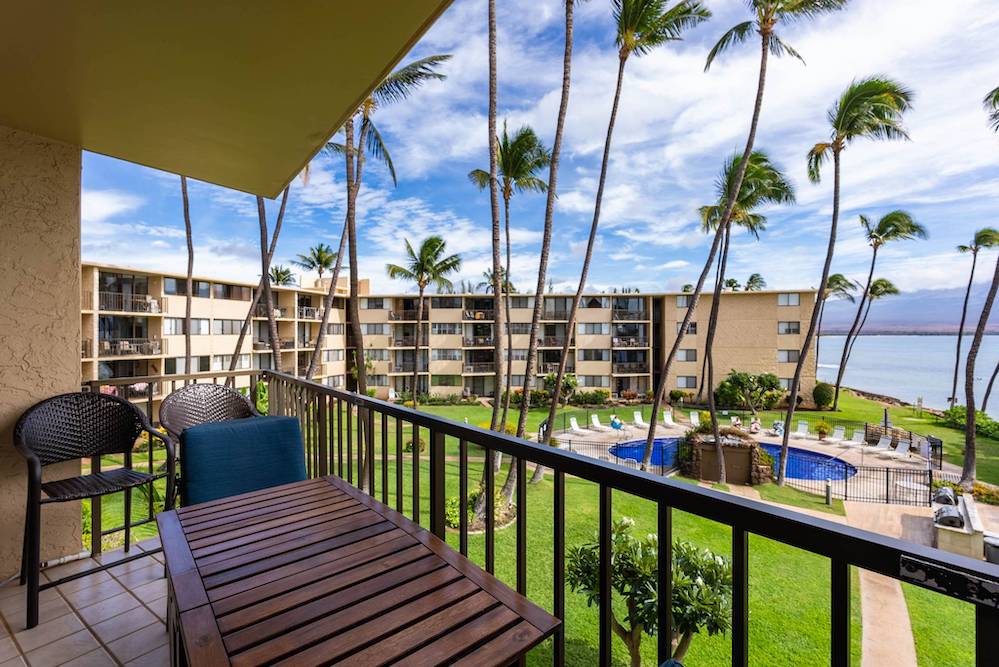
(238, 456)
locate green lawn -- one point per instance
(938, 623)
(787, 495)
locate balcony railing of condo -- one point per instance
(283, 343)
(629, 341)
(310, 313)
(631, 367)
(122, 347)
(557, 314)
(622, 314)
(408, 367)
(86, 348)
(279, 313)
(371, 448)
(408, 315)
(552, 367)
(554, 341)
(479, 314)
(129, 303)
(479, 341)
(408, 341)
(480, 367)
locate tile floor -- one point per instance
(115, 617)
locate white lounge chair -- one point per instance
(695, 418)
(838, 435)
(575, 428)
(639, 419)
(595, 423)
(856, 441)
(884, 444)
(631, 463)
(802, 431)
(901, 451)
(668, 418)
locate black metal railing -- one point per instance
(478, 341)
(629, 315)
(479, 314)
(349, 435)
(124, 347)
(631, 367)
(629, 341)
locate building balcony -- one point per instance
(129, 303)
(126, 347)
(629, 341)
(309, 313)
(630, 367)
(283, 343)
(479, 341)
(86, 348)
(408, 367)
(139, 390)
(554, 341)
(407, 315)
(480, 367)
(560, 315)
(279, 313)
(552, 367)
(479, 314)
(630, 315)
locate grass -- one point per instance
(938, 623)
(787, 495)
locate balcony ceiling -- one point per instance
(238, 94)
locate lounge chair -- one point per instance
(838, 435)
(668, 418)
(884, 444)
(574, 427)
(777, 430)
(856, 441)
(631, 463)
(639, 419)
(695, 418)
(802, 431)
(595, 423)
(901, 451)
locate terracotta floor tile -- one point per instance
(139, 642)
(136, 578)
(98, 658)
(132, 565)
(85, 582)
(72, 567)
(109, 608)
(48, 632)
(8, 649)
(150, 544)
(159, 657)
(159, 607)
(118, 626)
(94, 594)
(15, 603)
(62, 650)
(13, 662)
(154, 590)
(48, 609)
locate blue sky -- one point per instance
(676, 126)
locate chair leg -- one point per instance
(25, 541)
(34, 556)
(128, 518)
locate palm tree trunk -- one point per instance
(190, 274)
(248, 320)
(494, 212)
(818, 333)
(265, 278)
(571, 326)
(860, 329)
(960, 329)
(969, 471)
(847, 344)
(695, 296)
(704, 362)
(988, 390)
(813, 321)
(416, 346)
(327, 305)
(506, 306)
(709, 344)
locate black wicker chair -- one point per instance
(70, 427)
(202, 404)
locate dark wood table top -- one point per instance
(318, 572)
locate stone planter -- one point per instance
(744, 460)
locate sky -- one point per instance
(676, 126)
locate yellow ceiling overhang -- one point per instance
(241, 94)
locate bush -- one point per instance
(984, 425)
(511, 429)
(823, 395)
(650, 396)
(452, 512)
(539, 397)
(980, 492)
(595, 397)
(408, 447)
(823, 428)
(680, 396)
(629, 395)
(766, 458)
(446, 399)
(371, 391)
(727, 395)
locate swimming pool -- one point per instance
(801, 463)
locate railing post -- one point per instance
(437, 484)
(840, 613)
(604, 576)
(986, 635)
(665, 582)
(740, 597)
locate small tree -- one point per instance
(702, 587)
(569, 384)
(756, 391)
(822, 394)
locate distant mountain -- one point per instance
(920, 312)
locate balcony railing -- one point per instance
(480, 367)
(622, 314)
(142, 389)
(555, 314)
(309, 313)
(552, 367)
(479, 314)
(406, 341)
(631, 367)
(86, 300)
(479, 341)
(122, 347)
(553, 341)
(283, 343)
(630, 341)
(261, 311)
(86, 348)
(129, 303)
(407, 315)
(408, 367)
(369, 453)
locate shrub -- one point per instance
(371, 391)
(980, 492)
(984, 425)
(539, 397)
(766, 458)
(511, 429)
(629, 395)
(452, 512)
(408, 447)
(823, 428)
(823, 395)
(680, 396)
(650, 396)
(595, 397)
(727, 395)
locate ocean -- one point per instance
(911, 367)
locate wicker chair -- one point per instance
(202, 404)
(70, 427)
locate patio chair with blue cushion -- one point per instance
(229, 458)
(202, 404)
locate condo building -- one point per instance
(133, 326)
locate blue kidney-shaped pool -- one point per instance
(801, 463)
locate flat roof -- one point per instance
(342, 285)
(238, 94)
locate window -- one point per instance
(337, 355)
(226, 327)
(517, 354)
(686, 355)
(231, 292)
(789, 327)
(176, 365)
(521, 302)
(335, 381)
(443, 302)
(691, 327)
(686, 382)
(517, 328)
(594, 328)
(178, 286)
(334, 329)
(788, 356)
(262, 361)
(683, 300)
(595, 302)
(788, 299)
(445, 380)
(174, 326)
(373, 304)
(445, 354)
(593, 381)
(785, 384)
(375, 329)
(445, 329)
(517, 381)
(378, 380)
(220, 362)
(376, 354)
(594, 355)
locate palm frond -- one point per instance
(401, 83)
(397, 272)
(817, 157)
(991, 103)
(643, 25)
(736, 35)
(376, 148)
(872, 107)
(796, 10)
(479, 178)
(334, 149)
(986, 237)
(778, 48)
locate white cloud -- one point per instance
(99, 205)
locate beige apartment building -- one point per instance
(133, 326)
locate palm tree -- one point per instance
(498, 276)
(487, 283)
(755, 283)
(320, 259)
(871, 108)
(895, 226)
(732, 284)
(265, 279)
(767, 15)
(986, 237)
(641, 27)
(840, 287)
(190, 273)
(519, 160)
(879, 289)
(988, 389)
(328, 300)
(428, 266)
(969, 470)
(687, 288)
(762, 184)
(991, 103)
(282, 275)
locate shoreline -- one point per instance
(892, 401)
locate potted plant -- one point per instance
(823, 429)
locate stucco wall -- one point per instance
(39, 319)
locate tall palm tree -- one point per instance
(762, 184)
(641, 27)
(879, 289)
(895, 226)
(986, 237)
(498, 277)
(988, 389)
(840, 287)
(969, 471)
(265, 279)
(767, 15)
(487, 283)
(282, 275)
(428, 266)
(732, 284)
(687, 288)
(991, 103)
(519, 160)
(328, 299)
(755, 283)
(190, 274)
(320, 259)
(871, 108)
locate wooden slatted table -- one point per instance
(318, 572)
